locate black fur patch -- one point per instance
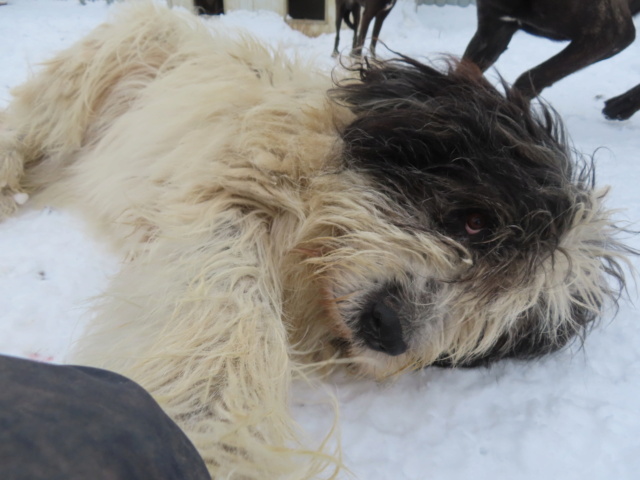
(465, 161)
(450, 145)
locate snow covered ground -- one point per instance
(573, 415)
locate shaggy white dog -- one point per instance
(407, 218)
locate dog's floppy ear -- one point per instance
(394, 100)
(411, 116)
(449, 142)
(382, 83)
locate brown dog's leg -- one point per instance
(490, 40)
(339, 12)
(367, 16)
(623, 106)
(377, 26)
(580, 53)
(356, 24)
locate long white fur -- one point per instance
(182, 146)
(213, 165)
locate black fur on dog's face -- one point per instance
(470, 170)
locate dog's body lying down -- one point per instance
(422, 218)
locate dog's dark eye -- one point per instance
(471, 225)
(475, 223)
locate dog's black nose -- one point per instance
(381, 329)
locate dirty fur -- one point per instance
(269, 220)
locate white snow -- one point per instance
(572, 415)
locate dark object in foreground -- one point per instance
(596, 30)
(80, 423)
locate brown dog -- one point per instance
(372, 8)
(596, 30)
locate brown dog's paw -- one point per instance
(623, 106)
(615, 109)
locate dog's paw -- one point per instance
(623, 106)
(615, 109)
(11, 171)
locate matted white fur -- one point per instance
(206, 336)
(215, 166)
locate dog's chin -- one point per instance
(367, 362)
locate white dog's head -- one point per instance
(462, 229)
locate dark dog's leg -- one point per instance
(376, 29)
(356, 23)
(339, 13)
(367, 16)
(610, 32)
(581, 52)
(490, 40)
(623, 106)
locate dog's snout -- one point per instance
(381, 329)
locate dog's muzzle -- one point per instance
(380, 327)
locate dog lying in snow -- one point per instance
(269, 221)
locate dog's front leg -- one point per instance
(195, 317)
(377, 26)
(367, 16)
(356, 25)
(11, 171)
(491, 39)
(339, 13)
